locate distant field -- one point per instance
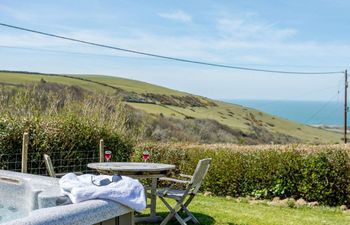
(237, 119)
(235, 116)
(20, 78)
(132, 85)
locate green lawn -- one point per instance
(216, 210)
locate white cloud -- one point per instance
(178, 15)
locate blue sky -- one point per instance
(290, 35)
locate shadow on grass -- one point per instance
(203, 219)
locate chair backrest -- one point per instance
(199, 175)
(49, 166)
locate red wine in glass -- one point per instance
(145, 156)
(108, 155)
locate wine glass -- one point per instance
(108, 155)
(145, 155)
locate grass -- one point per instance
(133, 85)
(20, 78)
(218, 210)
(235, 116)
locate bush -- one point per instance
(325, 177)
(315, 173)
(72, 142)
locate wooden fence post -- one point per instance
(102, 152)
(25, 144)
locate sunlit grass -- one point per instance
(218, 210)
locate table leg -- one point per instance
(153, 197)
(152, 218)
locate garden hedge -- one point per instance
(70, 140)
(315, 173)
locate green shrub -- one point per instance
(315, 173)
(72, 142)
(325, 177)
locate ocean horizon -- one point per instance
(306, 112)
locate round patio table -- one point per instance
(140, 171)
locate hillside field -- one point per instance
(158, 100)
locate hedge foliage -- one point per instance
(72, 142)
(315, 173)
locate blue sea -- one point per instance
(307, 112)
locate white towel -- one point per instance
(126, 190)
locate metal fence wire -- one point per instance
(63, 162)
(11, 162)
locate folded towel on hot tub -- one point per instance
(125, 190)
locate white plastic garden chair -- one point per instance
(183, 197)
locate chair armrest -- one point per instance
(174, 180)
(185, 176)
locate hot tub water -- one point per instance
(10, 212)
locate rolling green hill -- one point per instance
(157, 100)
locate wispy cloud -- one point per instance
(230, 50)
(238, 40)
(248, 27)
(177, 15)
(14, 13)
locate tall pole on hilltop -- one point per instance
(345, 105)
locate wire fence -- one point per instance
(63, 162)
(11, 162)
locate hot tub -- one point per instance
(37, 200)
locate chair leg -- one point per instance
(170, 215)
(193, 218)
(165, 203)
(167, 218)
(181, 221)
(173, 212)
(188, 201)
(184, 208)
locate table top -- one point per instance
(131, 167)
